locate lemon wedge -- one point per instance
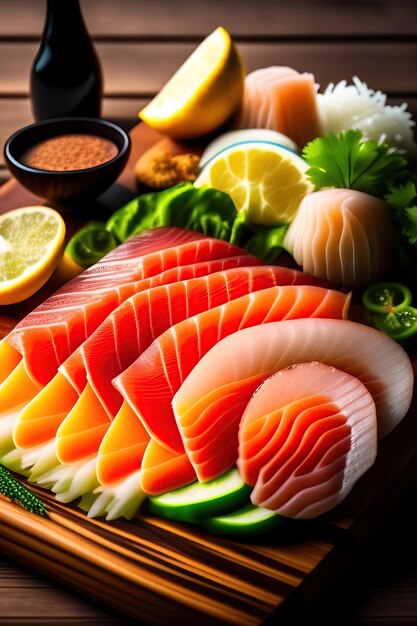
(203, 93)
(263, 178)
(31, 241)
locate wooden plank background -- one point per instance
(140, 44)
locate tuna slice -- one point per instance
(281, 99)
(307, 435)
(50, 333)
(211, 401)
(150, 383)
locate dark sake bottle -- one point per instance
(66, 77)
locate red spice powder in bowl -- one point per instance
(65, 159)
(70, 152)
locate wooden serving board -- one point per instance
(161, 572)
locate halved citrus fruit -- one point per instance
(225, 140)
(31, 241)
(203, 93)
(263, 178)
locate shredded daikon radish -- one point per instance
(344, 106)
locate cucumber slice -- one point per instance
(202, 500)
(249, 521)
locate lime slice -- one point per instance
(386, 297)
(399, 325)
(31, 241)
(203, 93)
(264, 179)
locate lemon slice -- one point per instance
(203, 93)
(264, 179)
(31, 241)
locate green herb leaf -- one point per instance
(18, 493)
(400, 196)
(410, 224)
(346, 161)
(402, 200)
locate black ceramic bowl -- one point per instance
(62, 186)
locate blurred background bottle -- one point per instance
(66, 78)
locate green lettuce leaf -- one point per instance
(204, 210)
(267, 243)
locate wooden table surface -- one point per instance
(140, 44)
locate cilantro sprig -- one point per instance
(402, 200)
(347, 161)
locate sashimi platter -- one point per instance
(226, 352)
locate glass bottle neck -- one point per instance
(64, 17)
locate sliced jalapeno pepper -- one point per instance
(386, 297)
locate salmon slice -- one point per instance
(301, 423)
(281, 99)
(39, 419)
(122, 449)
(163, 470)
(127, 332)
(380, 363)
(150, 383)
(9, 359)
(50, 333)
(342, 235)
(132, 327)
(106, 347)
(75, 438)
(75, 367)
(16, 389)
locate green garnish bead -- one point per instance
(21, 495)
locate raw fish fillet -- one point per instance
(281, 99)
(236, 365)
(130, 330)
(307, 435)
(50, 333)
(154, 312)
(72, 378)
(132, 327)
(163, 470)
(74, 368)
(122, 450)
(342, 235)
(150, 383)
